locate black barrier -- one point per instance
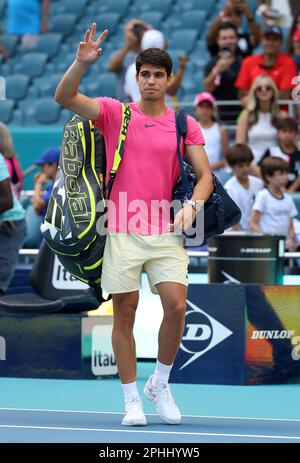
(246, 258)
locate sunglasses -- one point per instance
(261, 88)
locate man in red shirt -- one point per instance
(280, 67)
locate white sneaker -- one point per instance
(163, 401)
(134, 413)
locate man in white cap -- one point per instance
(154, 39)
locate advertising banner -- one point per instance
(213, 343)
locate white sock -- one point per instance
(130, 391)
(161, 375)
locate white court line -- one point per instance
(148, 414)
(58, 428)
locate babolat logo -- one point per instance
(2, 348)
(72, 167)
(202, 333)
(126, 120)
(272, 334)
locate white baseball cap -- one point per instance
(153, 39)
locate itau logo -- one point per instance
(202, 333)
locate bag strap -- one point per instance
(126, 115)
(181, 131)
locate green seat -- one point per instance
(164, 6)
(104, 85)
(152, 17)
(45, 111)
(63, 23)
(32, 64)
(49, 43)
(10, 42)
(6, 110)
(17, 86)
(184, 39)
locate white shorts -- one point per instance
(162, 257)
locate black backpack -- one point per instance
(78, 198)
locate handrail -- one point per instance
(287, 255)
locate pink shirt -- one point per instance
(149, 168)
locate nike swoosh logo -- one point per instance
(149, 125)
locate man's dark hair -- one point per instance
(239, 154)
(155, 57)
(227, 25)
(272, 164)
(287, 123)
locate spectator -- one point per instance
(215, 135)
(257, 123)
(233, 12)
(290, 37)
(242, 187)
(12, 228)
(222, 70)
(43, 181)
(273, 210)
(9, 154)
(154, 39)
(281, 68)
(28, 19)
(3, 51)
(123, 58)
(296, 49)
(287, 149)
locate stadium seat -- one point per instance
(10, 42)
(200, 5)
(44, 112)
(110, 6)
(76, 7)
(103, 85)
(17, 86)
(33, 64)
(108, 21)
(46, 85)
(62, 65)
(152, 17)
(164, 6)
(63, 23)
(183, 39)
(49, 43)
(6, 110)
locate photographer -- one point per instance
(233, 12)
(222, 70)
(123, 58)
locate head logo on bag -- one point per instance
(69, 227)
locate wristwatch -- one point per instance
(196, 205)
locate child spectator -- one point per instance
(273, 210)
(287, 149)
(43, 181)
(242, 187)
(215, 135)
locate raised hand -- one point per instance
(88, 51)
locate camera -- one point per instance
(138, 31)
(225, 52)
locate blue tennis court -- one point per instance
(81, 411)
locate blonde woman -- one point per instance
(9, 154)
(257, 122)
